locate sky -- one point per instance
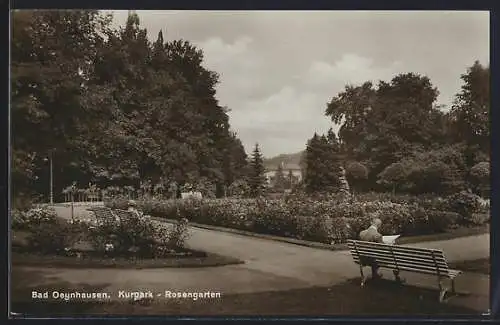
(279, 69)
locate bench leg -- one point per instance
(397, 277)
(442, 290)
(362, 275)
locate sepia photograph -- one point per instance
(249, 163)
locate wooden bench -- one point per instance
(122, 214)
(404, 258)
(103, 214)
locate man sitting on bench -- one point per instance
(371, 234)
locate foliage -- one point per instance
(132, 236)
(46, 232)
(470, 112)
(112, 107)
(481, 172)
(466, 204)
(356, 171)
(134, 232)
(382, 124)
(356, 174)
(239, 188)
(206, 187)
(394, 175)
(480, 177)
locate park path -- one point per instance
(269, 265)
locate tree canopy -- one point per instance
(396, 130)
(113, 107)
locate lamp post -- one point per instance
(51, 178)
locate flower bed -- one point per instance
(323, 220)
(135, 236)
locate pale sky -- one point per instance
(278, 69)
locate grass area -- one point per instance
(450, 234)
(348, 298)
(54, 261)
(20, 256)
(477, 266)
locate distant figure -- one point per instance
(132, 207)
(371, 234)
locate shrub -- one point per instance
(393, 175)
(138, 236)
(178, 234)
(46, 232)
(19, 220)
(440, 221)
(239, 188)
(465, 204)
(356, 174)
(480, 218)
(325, 219)
(125, 235)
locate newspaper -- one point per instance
(390, 239)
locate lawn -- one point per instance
(20, 255)
(450, 234)
(348, 298)
(54, 261)
(477, 266)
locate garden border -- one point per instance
(334, 247)
(54, 261)
(295, 241)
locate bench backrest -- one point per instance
(123, 214)
(404, 258)
(103, 213)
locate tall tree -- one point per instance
(117, 108)
(51, 61)
(380, 125)
(322, 164)
(257, 179)
(470, 112)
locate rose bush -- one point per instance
(325, 219)
(46, 233)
